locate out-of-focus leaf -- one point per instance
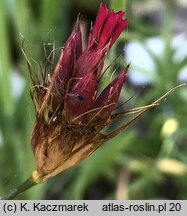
(5, 67)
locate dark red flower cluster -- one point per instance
(79, 71)
(70, 113)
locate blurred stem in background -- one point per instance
(5, 94)
(6, 106)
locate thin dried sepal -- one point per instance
(93, 113)
(48, 95)
(142, 111)
(32, 73)
(132, 111)
(105, 70)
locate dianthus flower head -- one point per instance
(70, 113)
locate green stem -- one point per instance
(20, 189)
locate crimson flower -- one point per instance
(70, 113)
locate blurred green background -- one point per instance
(146, 161)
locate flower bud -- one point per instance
(82, 96)
(70, 53)
(108, 98)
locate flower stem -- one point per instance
(20, 189)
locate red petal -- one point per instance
(108, 98)
(82, 96)
(107, 30)
(107, 27)
(71, 52)
(121, 24)
(100, 19)
(88, 61)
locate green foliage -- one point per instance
(153, 158)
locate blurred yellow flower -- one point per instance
(169, 127)
(171, 166)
